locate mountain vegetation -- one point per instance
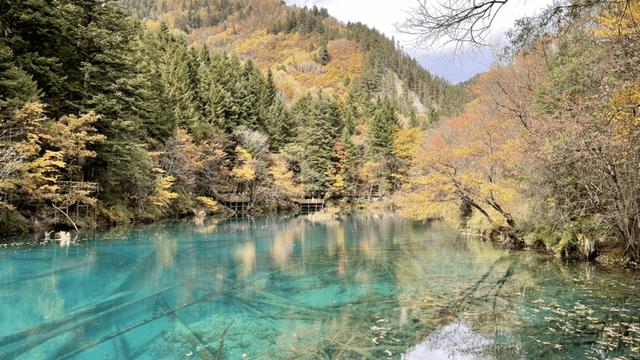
(163, 113)
(547, 152)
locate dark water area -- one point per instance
(358, 289)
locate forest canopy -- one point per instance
(140, 121)
(547, 153)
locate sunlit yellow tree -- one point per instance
(467, 163)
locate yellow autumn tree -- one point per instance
(34, 170)
(245, 171)
(618, 32)
(72, 135)
(405, 147)
(182, 160)
(467, 164)
(370, 174)
(338, 185)
(163, 195)
(621, 19)
(619, 27)
(284, 184)
(208, 203)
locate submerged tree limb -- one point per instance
(221, 347)
(67, 216)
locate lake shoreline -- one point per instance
(605, 254)
(606, 257)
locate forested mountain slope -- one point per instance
(143, 121)
(306, 49)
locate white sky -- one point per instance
(384, 14)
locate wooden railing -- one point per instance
(234, 198)
(79, 186)
(9, 133)
(310, 201)
(75, 209)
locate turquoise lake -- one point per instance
(293, 289)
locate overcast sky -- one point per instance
(384, 14)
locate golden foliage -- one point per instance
(162, 195)
(369, 171)
(469, 160)
(620, 20)
(284, 179)
(624, 109)
(40, 176)
(208, 203)
(246, 170)
(406, 144)
(293, 56)
(38, 171)
(71, 135)
(338, 185)
(183, 158)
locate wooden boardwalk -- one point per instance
(310, 205)
(87, 189)
(235, 202)
(241, 202)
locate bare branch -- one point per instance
(469, 22)
(452, 21)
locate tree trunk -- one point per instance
(507, 217)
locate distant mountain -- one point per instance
(306, 49)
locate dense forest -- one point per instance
(306, 49)
(164, 125)
(547, 153)
(243, 179)
(145, 110)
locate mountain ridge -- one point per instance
(288, 40)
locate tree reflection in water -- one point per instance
(271, 289)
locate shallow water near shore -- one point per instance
(362, 288)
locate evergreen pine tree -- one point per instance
(318, 137)
(382, 129)
(350, 162)
(381, 134)
(279, 125)
(271, 90)
(180, 80)
(16, 85)
(413, 118)
(38, 38)
(433, 116)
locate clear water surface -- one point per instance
(359, 289)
